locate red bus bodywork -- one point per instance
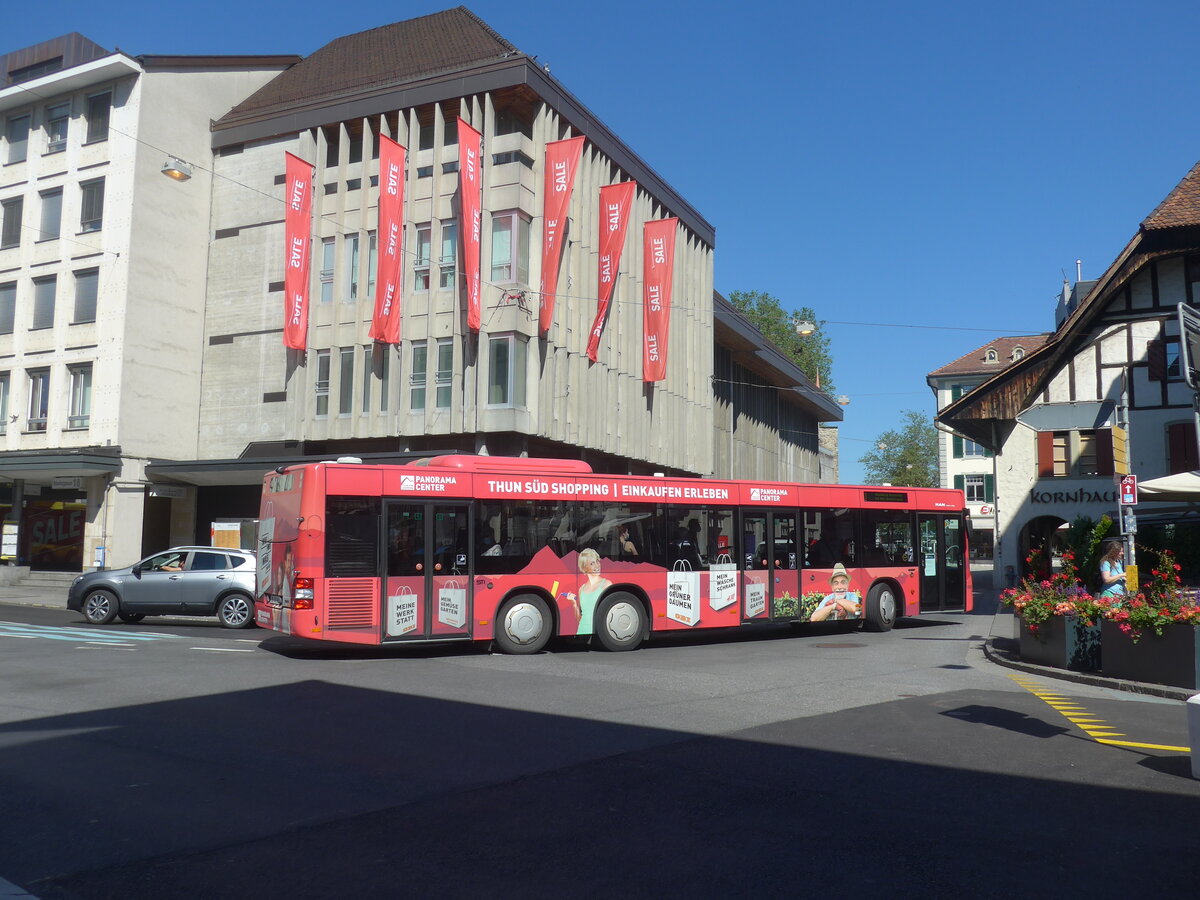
(453, 599)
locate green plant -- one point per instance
(1160, 602)
(1085, 538)
(1039, 598)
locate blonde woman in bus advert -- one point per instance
(591, 589)
(840, 602)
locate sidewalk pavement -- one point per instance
(53, 596)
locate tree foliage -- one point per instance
(908, 457)
(810, 352)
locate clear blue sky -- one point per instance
(895, 164)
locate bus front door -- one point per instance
(942, 562)
(427, 586)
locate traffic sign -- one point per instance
(1129, 490)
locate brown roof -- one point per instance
(1180, 207)
(975, 362)
(388, 55)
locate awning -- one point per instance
(41, 466)
(1181, 487)
(1082, 415)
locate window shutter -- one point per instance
(1104, 451)
(960, 482)
(1181, 447)
(957, 443)
(1157, 357)
(989, 488)
(1045, 454)
(955, 392)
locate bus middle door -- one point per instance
(427, 586)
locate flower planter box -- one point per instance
(1062, 642)
(1171, 659)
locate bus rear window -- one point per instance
(352, 537)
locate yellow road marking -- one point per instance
(1097, 729)
(1144, 746)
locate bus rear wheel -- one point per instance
(881, 608)
(523, 624)
(620, 622)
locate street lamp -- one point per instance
(803, 326)
(176, 169)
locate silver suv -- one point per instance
(182, 581)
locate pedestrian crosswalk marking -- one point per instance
(78, 635)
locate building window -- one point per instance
(4, 403)
(421, 262)
(44, 291)
(385, 359)
(8, 306)
(368, 370)
(971, 448)
(510, 252)
(57, 119)
(445, 372)
(510, 121)
(506, 370)
(973, 488)
(449, 255)
(420, 361)
(91, 216)
(10, 231)
(51, 214)
(1171, 350)
(98, 106)
(39, 398)
(372, 264)
(322, 384)
(1064, 454)
(327, 252)
(346, 381)
(350, 281)
(991, 355)
(17, 134)
(87, 285)
(81, 396)
(1017, 353)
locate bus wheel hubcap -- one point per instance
(887, 605)
(622, 621)
(524, 623)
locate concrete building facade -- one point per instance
(102, 277)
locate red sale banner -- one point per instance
(562, 161)
(385, 323)
(658, 269)
(297, 239)
(469, 183)
(616, 205)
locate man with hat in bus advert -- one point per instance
(841, 602)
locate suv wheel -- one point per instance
(236, 611)
(101, 607)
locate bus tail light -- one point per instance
(302, 593)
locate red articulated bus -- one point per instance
(517, 551)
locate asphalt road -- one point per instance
(169, 759)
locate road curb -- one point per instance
(1010, 660)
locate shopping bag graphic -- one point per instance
(756, 599)
(683, 594)
(452, 604)
(722, 582)
(402, 612)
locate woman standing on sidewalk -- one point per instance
(1112, 571)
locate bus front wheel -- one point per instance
(523, 624)
(620, 622)
(881, 608)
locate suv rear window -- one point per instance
(204, 562)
